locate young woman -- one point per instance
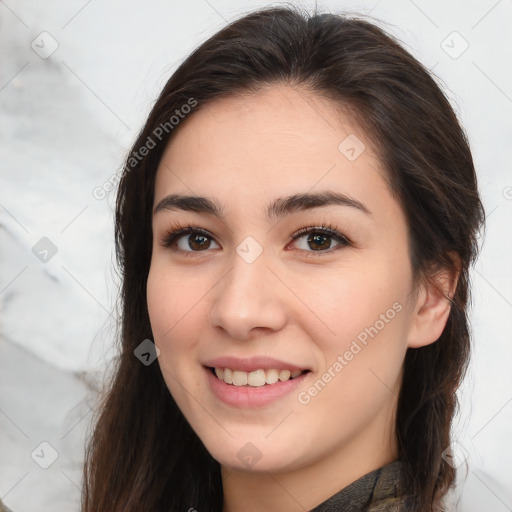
(295, 225)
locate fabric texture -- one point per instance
(378, 491)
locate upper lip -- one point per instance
(251, 364)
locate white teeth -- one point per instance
(284, 375)
(255, 378)
(272, 376)
(239, 378)
(228, 376)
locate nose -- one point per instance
(249, 298)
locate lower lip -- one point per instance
(251, 396)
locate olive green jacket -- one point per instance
(378, 491)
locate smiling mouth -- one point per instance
(256, 378)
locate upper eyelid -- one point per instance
(185, 230)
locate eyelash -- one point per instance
(177, 231)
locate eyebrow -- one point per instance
(279, 208)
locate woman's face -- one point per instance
(247, 294)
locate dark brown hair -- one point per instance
(143, 455)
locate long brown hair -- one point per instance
(143, 455)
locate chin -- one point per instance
(251, 456)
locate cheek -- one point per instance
(362, 350)
(362, 361)
(173, 300)
(356, 303)
(174, 308)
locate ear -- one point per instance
(433, 306)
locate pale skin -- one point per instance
(206, 301)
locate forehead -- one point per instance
(279, 140)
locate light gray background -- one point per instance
(66, 123)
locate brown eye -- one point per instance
(320, 240)
(188, 240)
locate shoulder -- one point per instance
(389, 505)
(388, 494)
